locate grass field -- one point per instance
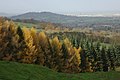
(28, 25)
(18, 71)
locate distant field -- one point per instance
(18, 71)
(28, 25)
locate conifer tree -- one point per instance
(105, 61)
(29, 54)
(111, 58)
(9, 40)
(21, 44)
(44, 43)
(69, 55)
(57, 53)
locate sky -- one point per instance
(59, 6)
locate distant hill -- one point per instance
(45, 16)
(67, 19)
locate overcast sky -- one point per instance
(59, 6)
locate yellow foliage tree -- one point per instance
(29, 53)
(44, 43)
(88, 65)
(8, 40)
(71, 57)
(57, 54)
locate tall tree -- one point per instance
(29, 54)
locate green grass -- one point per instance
(18, 71)
(28, 25)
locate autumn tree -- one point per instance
(46, 49)
(57, 54)
(9, 40)
(71, 57)
(29, 53)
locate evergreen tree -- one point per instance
(105, 61)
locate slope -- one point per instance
(18, 71)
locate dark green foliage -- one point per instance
(104, 59)
(98, 55)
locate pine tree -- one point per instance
(105, 61)
(93, 57)
(99, 65)
(83, 60)
(70, 54)
(111, 57)
(29, 54)
(9, 40)
(21, 44)
(57, 54)
(44, 43)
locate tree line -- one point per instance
(67, 55)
